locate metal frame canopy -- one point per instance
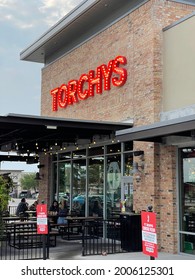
(27, 135)
(173, 132)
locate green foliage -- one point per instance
(5, 184)
(4, 194)
(28, 182)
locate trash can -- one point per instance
(131, 234)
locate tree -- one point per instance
(4, 194)
(5, 185)
(28, 182)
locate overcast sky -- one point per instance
(21, 23)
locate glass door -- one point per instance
(187, 201)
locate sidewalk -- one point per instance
(72, 250)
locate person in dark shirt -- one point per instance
(22, 208)
(53, 211)
(54, 207)
(97, 209)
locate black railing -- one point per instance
(21, 242)
(101, 237)
(12, 210)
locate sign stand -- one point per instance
(42, 226)
(150, 210)
(149, 236)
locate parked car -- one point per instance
(13, 194)
(26, 194)
(35, 195)
(92, 198)
(79, 198)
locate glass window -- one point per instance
(96, 151)
(86, 181)
(96, 186)
(64, 156)
(54, 187)
(113, 184)
(188, 190)
(113, 149)
(128, 146)
(187, 243)
(64, 181)
(79, 187)
(128, 164)
(187, 200)
(79, 154)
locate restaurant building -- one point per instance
(130, 62)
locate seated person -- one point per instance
(63, 212)
(33, 207)
(97, 210)
(22, 208)
(53, 211)
(76, 208)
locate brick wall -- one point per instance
(138, 36)
(45, 184)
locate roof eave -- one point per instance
(26, 54)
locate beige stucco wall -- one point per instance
(179, 66)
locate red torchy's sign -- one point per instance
(95, 82)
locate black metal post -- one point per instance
(150, 210)
(44, 247)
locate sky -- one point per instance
(21, 23)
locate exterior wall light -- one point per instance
(138, 168)
(38, 176)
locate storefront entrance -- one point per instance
(187, 201)
(100, 176)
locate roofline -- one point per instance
(34, 118)
(38, 51)
(179, 21)
(60, 25)
(68, 20)
(154, 132)
(32, 135)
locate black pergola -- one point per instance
(27, 135)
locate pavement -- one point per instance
(72, 250)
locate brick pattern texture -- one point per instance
(139, 37)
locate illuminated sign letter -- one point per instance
(63, 96)
(107, 73)
(72, 92)
(91, 83)
(82, 94)
(95, 81)
(54, 93)
(119, 81)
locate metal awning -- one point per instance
(183, 128)
(82, 23)
(28, 135)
